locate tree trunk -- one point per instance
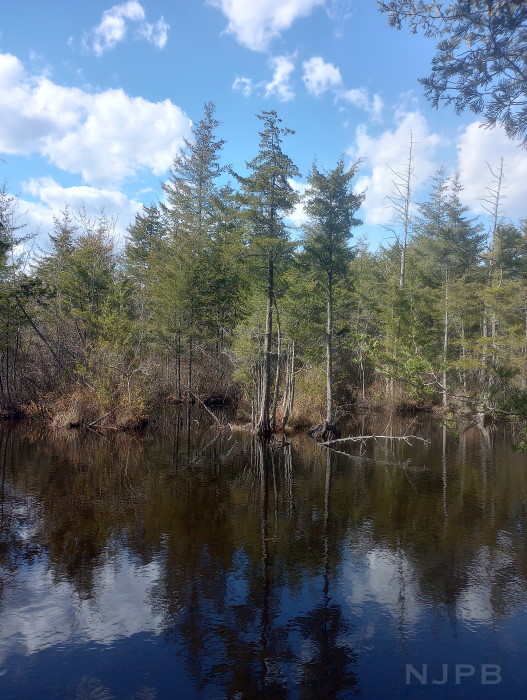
(330, 417)
(289, 390)
(463, 355)
(263, 426)
(328, 430)
(179, 366)
(278, 367)
(445, 342)
(485, 335)
(189, 385)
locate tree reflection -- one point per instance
(328, 670)
(248, 540)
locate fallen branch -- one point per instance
(361, 438)
(218, 421)
(98, 420)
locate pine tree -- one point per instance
(55, 270)
(191, 210)
(12, 290)
(267, 197)
(450, 242)
(331, 205)
(146, 236)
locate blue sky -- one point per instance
(96, 98)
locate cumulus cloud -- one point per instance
(389, 152)
(52, 198)
(255, 23)
(114, 25)
(105, 136)
(280, 86)
(477, 146)
(359, 97)
(320, 76)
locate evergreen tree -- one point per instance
(144, 244)
(331, 206)
(55, 270)
(12, 290)
(481, 59)
(268, 196)
(450, 242)
(191, 211)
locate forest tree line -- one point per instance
(216, 296)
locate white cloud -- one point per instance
(359, 97)
(478, 146)
(53, 199)
(298, 216)
(156, 33)
(390, 150)
(106, 136)
(339, 11)
(280, 86)
(114, 25)
(244, 85)
(320, 76)
(255, 23)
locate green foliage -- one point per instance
(515, 401)
(266, 193)
(331, 205)
(481, 58)
(211, 287)
(195, 279)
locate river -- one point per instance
(196, 563)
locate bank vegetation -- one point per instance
(215, 297)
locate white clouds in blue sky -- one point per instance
(360, 98)
(320, 76)
(102, 125)
(255, 23)
(278, 86)
(105, 136)
(387, 152)
(477, 150)
(52, 198)
(115, 24)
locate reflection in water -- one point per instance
(195, 563)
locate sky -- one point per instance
(97, 98)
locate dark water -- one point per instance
(198, 564)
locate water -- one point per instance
(193, 563)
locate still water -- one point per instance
(193, 563)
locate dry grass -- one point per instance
(75, 409)
(81, 408)
(310, 398)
